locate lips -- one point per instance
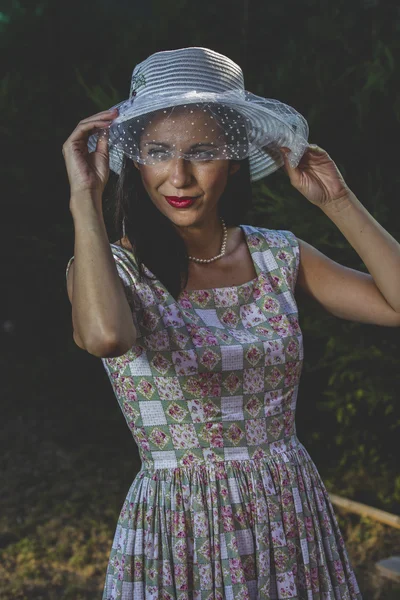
(181, 202)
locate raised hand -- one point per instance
(88, 171)
(316, 177)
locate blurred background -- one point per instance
(67, 456)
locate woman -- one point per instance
(195, 319)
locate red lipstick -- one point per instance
(183, 202)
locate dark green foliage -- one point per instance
(338, 63)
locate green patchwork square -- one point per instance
(282, 559)
(253, 355)
(202, 299)
(234, 433)
(145, 388)
(179, 338)
(202, 385)
(232, 383)
(176, 411)
(209, 359)
(275, 427)
(190, 456)
(269, 305)
(203, 548)
(210, 434)
(274, 377)
(253, 406)
(149, 320)
(159, 438)
(277, 280)
(229, 316)
(161, 364)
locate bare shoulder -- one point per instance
(316, 270)
(125, 243)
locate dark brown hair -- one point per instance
(155, 241)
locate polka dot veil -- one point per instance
(205, 131)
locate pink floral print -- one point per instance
(228, 503)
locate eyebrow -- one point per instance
(199, 144)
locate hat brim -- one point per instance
(272, 124)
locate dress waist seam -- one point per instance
(296, 453)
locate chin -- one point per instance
(183, 219)
(181, 216)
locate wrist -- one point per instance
(85, 202)
(340, 204)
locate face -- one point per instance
(200, 181)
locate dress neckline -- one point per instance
(189, 293)
(252, 282)
(224, 287)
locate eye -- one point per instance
(156, 151)
(159, 153)
(204, 155)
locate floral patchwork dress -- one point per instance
(228, 504)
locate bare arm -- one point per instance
(347, 293)
(372, 297)
(101, 315)
(343, 292)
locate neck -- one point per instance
(203, 240)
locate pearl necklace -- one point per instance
(222, 252)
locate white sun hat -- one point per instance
(220, 118)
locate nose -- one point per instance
(180, 172)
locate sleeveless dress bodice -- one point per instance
(228, 503)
